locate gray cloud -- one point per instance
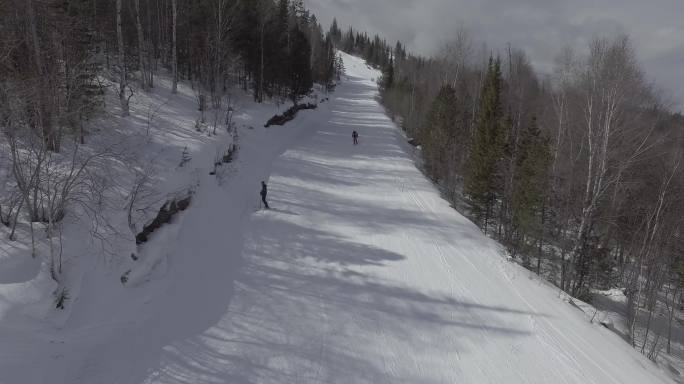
(540, 27)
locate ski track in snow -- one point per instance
(360, 274)
(363, 274)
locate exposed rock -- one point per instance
(289, 114)
(165, 214)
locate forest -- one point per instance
(58, 59)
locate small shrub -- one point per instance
(61, 298)
(183, 204)
(124, 277)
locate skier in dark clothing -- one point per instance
(355, 136)
(264, 191)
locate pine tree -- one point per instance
(348, 42)
(399, 52)
(339, 66)
(300, 71)
(488, 146)
(439, 132)
(335, 32)
(277, 46)
(531, 175)
(327, 64)
(387, 79)
(247, 42)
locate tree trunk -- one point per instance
(16, 219)
(141, 45)
(260, 91)
(218, 74)
(45, 111)
(541, 238)
(671, 310)
(501, 217)
(174, 54)
(122, 62)
(33, 240)
(563, 271)
(648, 328)
(152, 49)
(487, 212)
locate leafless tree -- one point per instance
(610, 83)
(174, 54)
(141, 50)
(123, 82)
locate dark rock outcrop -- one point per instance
(289, 114)
(165, 214)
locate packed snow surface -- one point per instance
(360, 273)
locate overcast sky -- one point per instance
(540, 27)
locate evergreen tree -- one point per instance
(339, 66)
(327, 64)
(531, 176)
(439, 132)
(399, 52)
(247, 42)
(387, 79)
(278, 46)
(300, 71)
(348, 42)
(488, 145)
(335, 33)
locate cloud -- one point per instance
(540, 27)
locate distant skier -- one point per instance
(355, 136)
(264, 191)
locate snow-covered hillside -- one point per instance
(361, 273)
(161, 148)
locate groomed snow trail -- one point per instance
(362, 274)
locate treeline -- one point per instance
(283, 48)
(57, 57)
(376, 51)
(52, 52)
(578, 173)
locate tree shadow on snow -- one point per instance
(305, 314)
(310, 301)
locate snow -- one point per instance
(610, 308)
(361, 273)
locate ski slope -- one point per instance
(360, 273)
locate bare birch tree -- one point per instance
(608, 82)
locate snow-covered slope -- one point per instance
(178, 286)
(360, 273)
